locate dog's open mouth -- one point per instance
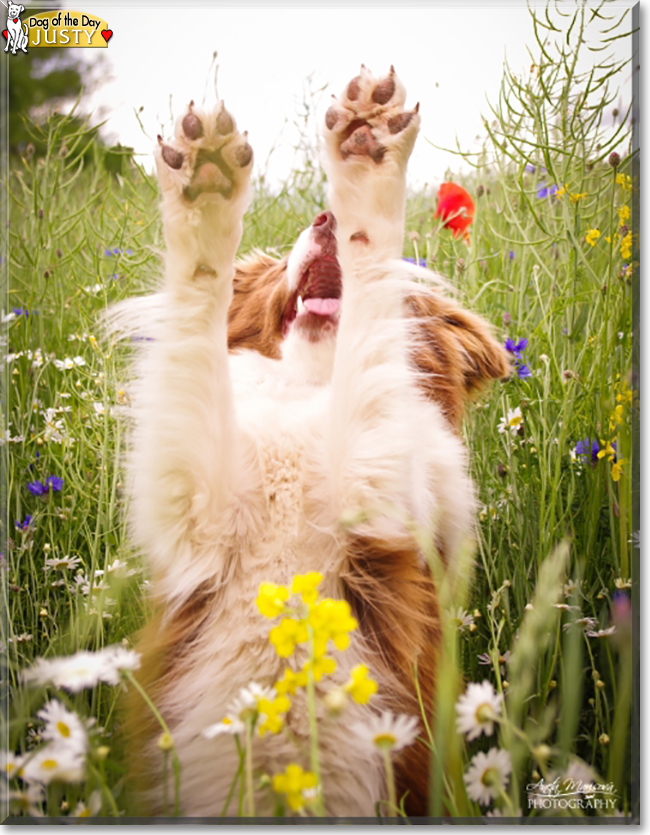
(315, 305)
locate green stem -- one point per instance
(390, 782)
(250, 794)
(176, 765)
(314, 756)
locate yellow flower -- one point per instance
(623, 214)
(289, 633)
(296, 784)
(291, 682)
(607, 451)
(617, 469)
(271, 711)
(592, 236)
(306, 586)
(331, 619)
(271, 599)
(360, 687)
(625, 394)
(616, 417)
(575, 197)
(561, 191)
(624, 180)
(626, 245)
(321, 667)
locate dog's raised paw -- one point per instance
(369, 120)
(208, 156)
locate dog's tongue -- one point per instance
(322, 307)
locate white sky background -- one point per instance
(450, 59)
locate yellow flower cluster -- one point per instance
(592, 236)
(575, 197)
(314, 622)
(623, 214)
(626, 245)
(624, 397)
(360, 686)
(299, 786)
(561, 191)
(624, 180)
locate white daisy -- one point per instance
(84, 669)
(54, 763)
(462, 619)
(28, 801)
(513, 421)
(10, 764)
(601, 633)
(61, 562)
(63, 726)
(477, 709)
(487, 775)
(388, 731)
(93, 808)
(242, 708)
(228, 725)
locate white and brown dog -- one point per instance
(278, 401)
(17, 38)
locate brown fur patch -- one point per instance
(394, 599)
(161, 644)
(455, 353)
(259, 300)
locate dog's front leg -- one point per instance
(185, 453)
(373, 427)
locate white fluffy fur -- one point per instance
(244, 469)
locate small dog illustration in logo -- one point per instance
(16, 37)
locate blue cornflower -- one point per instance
(523, 371)
(22, 526)
(588, 448)
(52, 482)
(21, 311)
(422, 262)
(546, 191)
(516, 348)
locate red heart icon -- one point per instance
(5, 34)
(107, 34)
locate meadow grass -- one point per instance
(544, 615)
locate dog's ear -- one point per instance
(454, 352)
(257, 310)
(21, 10)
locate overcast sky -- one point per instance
(450, 59)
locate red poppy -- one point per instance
(456, 208)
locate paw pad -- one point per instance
(369, 121)
(208, 154)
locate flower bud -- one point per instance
(165, 741)
(480, 190)
(614, 159)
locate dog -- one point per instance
(294, 415)
(17, 38)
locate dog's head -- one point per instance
(15, 9)
(291, 307)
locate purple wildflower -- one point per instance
(22, 526)
(523, 371)
(54, 483)
(421, 262)
(36, 488)
(546, 191)
(530, 168)
(516, 348)
(21, 311)
(511, 254)
(588, 448)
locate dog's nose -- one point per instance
(325, 223)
